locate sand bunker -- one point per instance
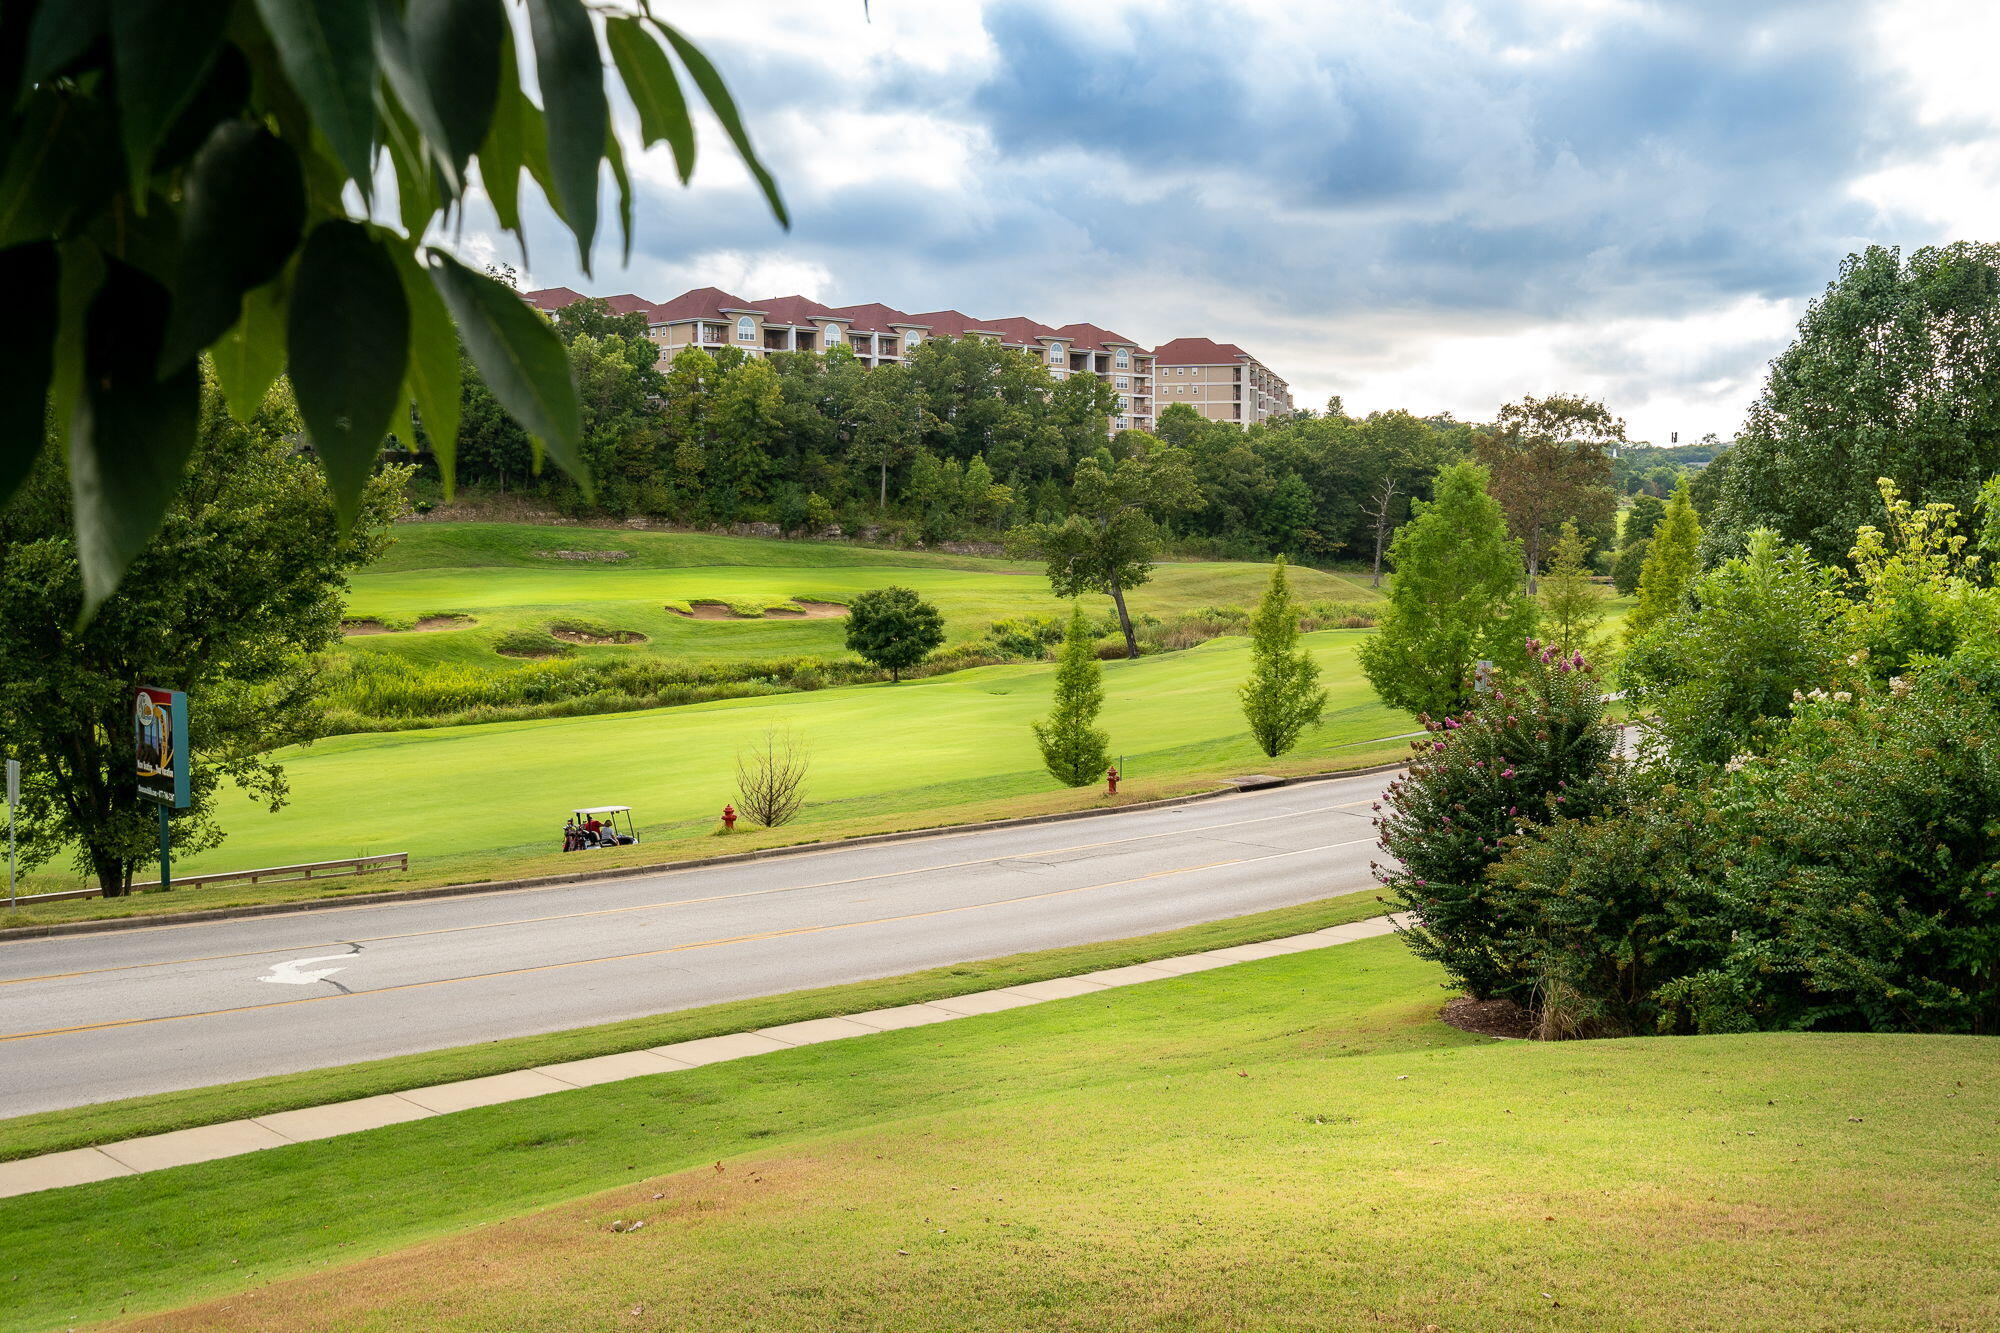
(806, 610)
(426, 625)
(599, 640)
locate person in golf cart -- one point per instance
(600, 826)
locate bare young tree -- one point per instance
(1381, 508)
(771, 777)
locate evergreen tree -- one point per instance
(894, 629)
(1456, 599)
(1570, 604)
(1672, 561)
(1076, 751)
(1282, 697)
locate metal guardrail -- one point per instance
(352, 865)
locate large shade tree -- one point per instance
(215, 175)
(1549, 462)
(232, 599)
(1895, 373)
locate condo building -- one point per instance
(881, 336)
(1219, 380)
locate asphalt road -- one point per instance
(89, 1018)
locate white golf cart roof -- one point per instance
(602, 809)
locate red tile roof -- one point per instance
(625, 303)
(1090, 338)
(797, 310)
(551, 298)
(1198, 352)
(1020, 330)
(948, 323)
(873, 317)
(701, 303)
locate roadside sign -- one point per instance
(160, 747)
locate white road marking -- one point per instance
(288, 974)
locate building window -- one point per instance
(832, 334)
(746, 330)
(1121, 423)
(1055, 356)
(1124, 381)
(1062, 374)
(910, 341)
(1124, 359)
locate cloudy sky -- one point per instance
(1431, 204)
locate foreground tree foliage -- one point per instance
(1283, 695)
(177, 178)
(1075, 750)
(1895, 374)
(230, 602)
(1456, 600)
(893, 629)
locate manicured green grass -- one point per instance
(490, 799)
(108, 1122)
(492, 573)
(1293, 1143)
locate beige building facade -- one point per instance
(1219, 380)
(1233, 386)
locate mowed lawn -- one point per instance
(500, 789)
(1294, 1143)
(494, 574)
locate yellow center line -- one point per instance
(672, 949)
(647, 907)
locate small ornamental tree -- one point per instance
(1672, 560)
(1282, 697)
(1570, 604)
(1075, 750)
(1457, 599)
(893, 629)
(1537, 748)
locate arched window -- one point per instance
(1056, 357)
(910, 341)
(832, 334)
(1124, 359)
(746, 330)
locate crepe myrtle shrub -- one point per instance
(1536, 749)
(1857, 866)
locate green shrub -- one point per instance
(530, 643)
(1535, 749)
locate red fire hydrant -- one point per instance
(728, 819)
(1111, 782)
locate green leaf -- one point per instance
(61, 160)
(131, 432)
(31, 276)
(414, 101)
(616, 157)
(570, 70)
(724, 107)
(434, 377)
(462, 49)
(57, 35)
(251, 355)
(349, 343)
(418, 195)
(327, 48)
(243, 207)
(501, 155)
(82, 274)
(655, 91)
(519, 356)
(161, 51)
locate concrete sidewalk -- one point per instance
(232, 1138)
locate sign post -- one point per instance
(13, 799)
(160, 751)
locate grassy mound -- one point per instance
(1288, 1144)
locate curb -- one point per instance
(153, 919)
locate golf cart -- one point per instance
(579, 833)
